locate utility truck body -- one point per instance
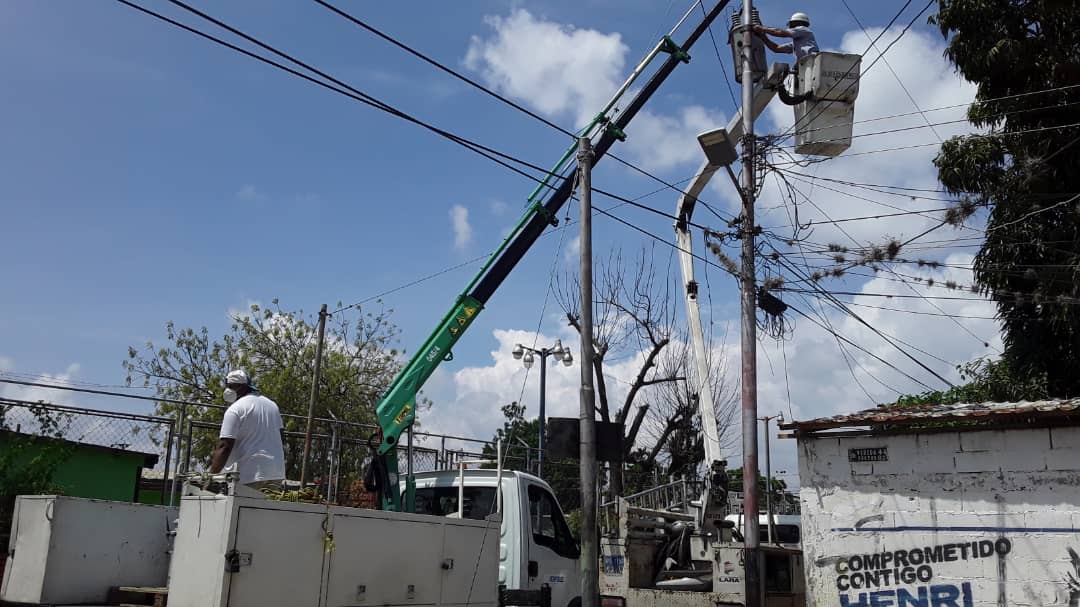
(536, 547)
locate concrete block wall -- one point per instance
(949, 519)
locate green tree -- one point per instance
(735, 483)
(29, 461)
(1027, 177)
(562, 475)
(277, 348)
(984, 380)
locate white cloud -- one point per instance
(564, 71)
(561, 70)
(917, 60)
(498, 208)
(249, 193)
(657, 142)
(34, 393)
(459, 221)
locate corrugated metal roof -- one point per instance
(982, 414)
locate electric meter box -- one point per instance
(252, 552)
(70, 550)
(824, 122)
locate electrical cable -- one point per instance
(985, 343)
(923, 145)
(862, 321)
(349, 91)
(891, 70)
(824, 317)
(723, 68)
(494, 94)
(976, 102)
(862, 73)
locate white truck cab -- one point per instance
(536, 546)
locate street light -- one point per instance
(527, 356)
(768, 473)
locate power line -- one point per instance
(425, 58)
(857, 346)
(910, 240)
(923, 145)
(723, 68)
(891, 70)
(862, 73)
(860, 320)
(371, 101)
(923, 126)
(920, 312)
(496, 95)
(413, 283)
(1056, 299)
(349, 91)
(976, 102)
(814, 222)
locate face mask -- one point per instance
(230, 395)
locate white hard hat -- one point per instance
(237, 377)
(800, 17)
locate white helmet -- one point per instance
(799, 17)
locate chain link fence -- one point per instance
(340, 451)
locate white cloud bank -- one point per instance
(569, 73)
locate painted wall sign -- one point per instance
(868, 454)
(943, 519)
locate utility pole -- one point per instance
(749, 325)
(314, 395)
(768, 475)
(590, 558)
(543, 413)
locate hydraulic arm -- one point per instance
(397, 409)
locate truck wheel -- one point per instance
(575, 603)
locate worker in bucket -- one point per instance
(802, 42)
(252, 436)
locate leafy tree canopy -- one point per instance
(984, 381)
(1024, 57)
(277, 348)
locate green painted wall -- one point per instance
(90, 471)
(100, 475)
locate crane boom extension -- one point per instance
(397, 409)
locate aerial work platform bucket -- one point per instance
(823, 122)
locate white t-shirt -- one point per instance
(802, 43)
(254, 422)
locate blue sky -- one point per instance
(150, 176)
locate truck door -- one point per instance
(553, 553)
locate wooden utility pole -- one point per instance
(314, 395)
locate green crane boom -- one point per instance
(397, 409)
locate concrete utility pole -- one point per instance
(749, 325)
(590, 557)
(768, 476)
(314, 395)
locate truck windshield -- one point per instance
(443, 501)
(782, 534)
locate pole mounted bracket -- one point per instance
(615, 131)
(543, 211)
(669, 46)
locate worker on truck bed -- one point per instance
(802, 42)
(252, 435)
